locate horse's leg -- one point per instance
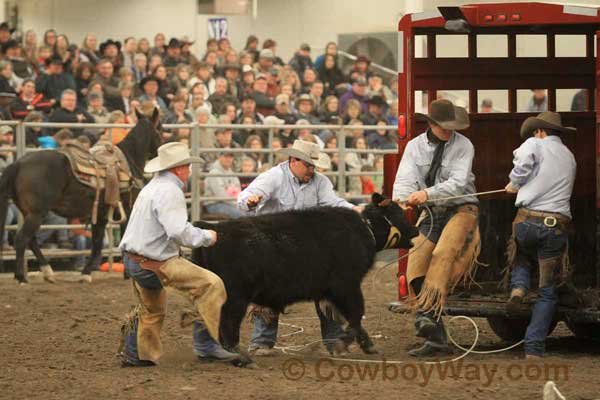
(24, 237)
(94, 261)
(45, 267)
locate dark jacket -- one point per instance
(300, 63)
(52, 86)
(21, 108)
(62, 115)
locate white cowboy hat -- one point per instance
(324, 162)
(303, 150)
(170, 155)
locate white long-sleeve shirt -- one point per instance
(158, 224)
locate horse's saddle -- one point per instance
(103, 167)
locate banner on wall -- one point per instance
(218, 28)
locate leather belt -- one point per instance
(550, 220)
(145, 262)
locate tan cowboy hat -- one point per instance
(170, 155)
(446, 115)
(545, 120)
(303, 150)
(324, 162)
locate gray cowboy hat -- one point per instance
(545, 120)
(303, 150)
(170, 155)
(446, 115)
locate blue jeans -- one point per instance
(11, 217)
(52, 219)
(81, 242)
(537, 242)
(228, 209)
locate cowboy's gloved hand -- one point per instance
(510, 188)
(417, 198)
(253, 201)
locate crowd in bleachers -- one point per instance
(56, 80)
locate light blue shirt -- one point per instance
(281, 191)
(454, 178)
(158, 224)
(544, 172)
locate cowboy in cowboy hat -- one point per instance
(291, 185)
(437, 164)
(157, 226)
(543, 177)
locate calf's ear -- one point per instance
(377, 198)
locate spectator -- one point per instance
(212, 45)
(159, 45)
(82, 240)
(331, 113)
(538, 101)
(251, 47)
(248, 167)
(308, 78)
(149, 87)
(83, 77)
(273, 83)
(355, 133)
(204, 76)
(264, 104)
(375, 110)
(7, 83)
(129, 49)
(155, 61)
(21, 67)
(248, 109)
(265, 61)
(316, 92)
(487, 106)
(307, 134)
(248, 75)
(197, 99)
(186, 54)
(62, 137)
(330, 74)
(270, 44)
(367, 184)
(164, 89)
(361, 66)
(232, 75)
(283, 110)
(6, 100)
(356, 161)
(301, 59)
(224, 186)
(173, 54)
(144, 47)
(181, 77)
(358, 92)
(223, 46)
(111, 51)
(231, 57)
(32, 134)
(330, 50)
(254, 142)
(382, 138)
(289, 77)
(224, 140)
(122, 103)
(115, 135)
(377, 88)
(378, 179)
(89, 49)
(305, 106)
(29, 101)
(177, 113)
(221, 96)
(70, 112)
(139, 67)
(125, 75)
(50, 38)
(7, 139)
(96, 109)
(61, 47)
(211, 59)
(110, 84)
(55, 81)
(30, 48)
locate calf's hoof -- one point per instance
(338, 348)
(85, 279)
(48, 273)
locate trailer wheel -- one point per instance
(584, 330)
(512, 329)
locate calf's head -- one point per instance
(389, 225)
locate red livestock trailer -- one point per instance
(509, 49)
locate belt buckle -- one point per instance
(550, 222)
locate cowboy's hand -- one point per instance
(510, 188)
(359, 209)
(403, 205)
(417, 198)
(213, 235)
(253, 201)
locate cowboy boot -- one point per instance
(516, 299)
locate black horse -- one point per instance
(43, 181)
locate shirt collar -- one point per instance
(290, 175)
(171, 177)
(449, 142)
(553, 138)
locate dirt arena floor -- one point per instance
(59, 342)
